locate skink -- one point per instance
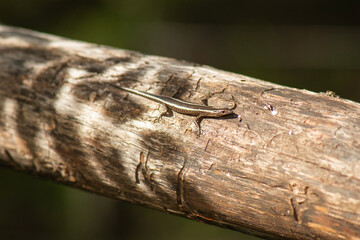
(179, 106)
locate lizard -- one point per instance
(183, 107)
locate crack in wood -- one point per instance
(198, 84)
(142, 166)
(300, 202)
(8, 155)
(180, 184)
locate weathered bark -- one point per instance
(289, 169)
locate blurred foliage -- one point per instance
(304, 44)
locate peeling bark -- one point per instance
(289, 169)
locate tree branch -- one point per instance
(289, 169)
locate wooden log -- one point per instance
(289, 167)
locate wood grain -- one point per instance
(289, 169)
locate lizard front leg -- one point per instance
(167, 112)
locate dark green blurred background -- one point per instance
(304, 44)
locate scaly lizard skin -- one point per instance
(182, 107)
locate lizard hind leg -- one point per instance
(197, 123)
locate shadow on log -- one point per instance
(287, 167)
